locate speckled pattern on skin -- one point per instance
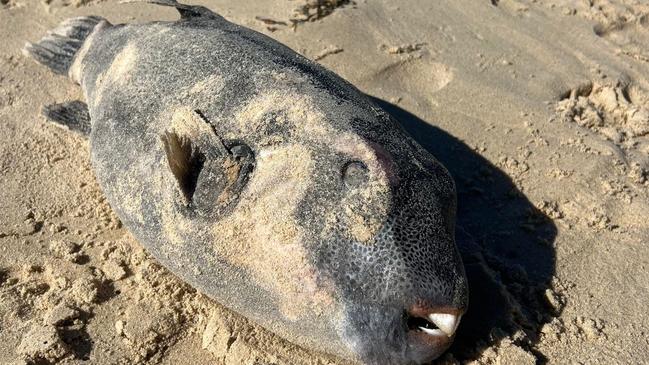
(340, 226)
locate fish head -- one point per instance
(380, 212)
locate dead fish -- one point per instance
(267, 182)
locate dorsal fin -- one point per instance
(186, 11)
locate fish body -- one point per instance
(267, 182)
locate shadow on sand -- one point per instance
(505, 241)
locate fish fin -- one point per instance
(210, 172)
(185, 161)
(186, 11)
(60, 45)
(72, 115)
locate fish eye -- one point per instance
(354, 173)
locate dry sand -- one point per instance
(539, 108)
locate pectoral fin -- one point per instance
(185, 162)
(210, 172)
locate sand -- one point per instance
(540, 110)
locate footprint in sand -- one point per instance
(618, 112)
(412, 77)
(626, 27)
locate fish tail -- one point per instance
(58, 49)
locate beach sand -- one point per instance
(539, 108)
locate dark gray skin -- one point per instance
(270, 184)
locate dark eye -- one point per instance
(354, 173)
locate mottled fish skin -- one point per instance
(337, 234)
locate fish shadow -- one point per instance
(506, 245)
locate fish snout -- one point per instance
(388, 334)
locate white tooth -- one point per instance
(433, 332)
(446, 322)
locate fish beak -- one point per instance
(440, 323)
(447, 323)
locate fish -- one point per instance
(266, 182)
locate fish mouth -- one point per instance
(387, 334)
(438, 324)
(430, 331)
